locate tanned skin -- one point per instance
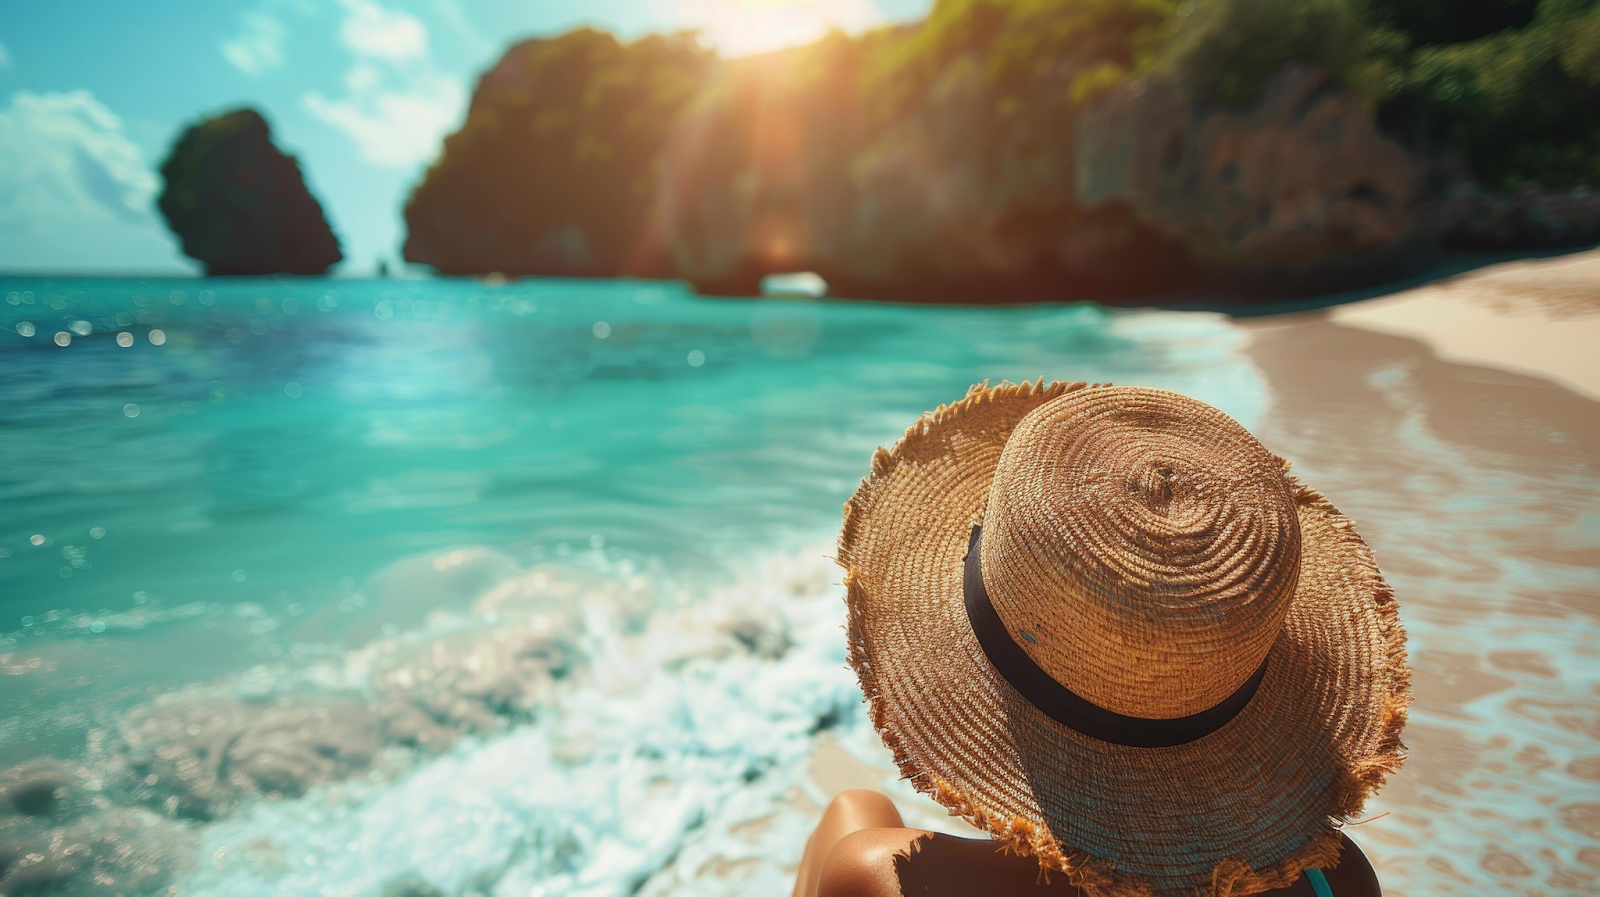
(861, 848)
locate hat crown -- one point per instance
(1141, 547)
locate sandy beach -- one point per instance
(1474, 397)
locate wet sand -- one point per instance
(1473, 405)
(1500, 583)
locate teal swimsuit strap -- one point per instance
(1319, 884)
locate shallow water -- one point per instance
(350, 586)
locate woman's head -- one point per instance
(1106, 625)
(1146, 542)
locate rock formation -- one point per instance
(239, 205)
(554, 170)
(790, 165)
(1299, 190)
(1001, 151)
(60, 835)
(200, 755)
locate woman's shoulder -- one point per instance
(892, 862)
(1354, 876)
(900, 862)
(863, 863)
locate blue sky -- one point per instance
(93, 92)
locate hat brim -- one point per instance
(1242, 810)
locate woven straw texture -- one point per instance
(1148, 554)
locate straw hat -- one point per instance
(1105, 625)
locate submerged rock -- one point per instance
(46, 788)
(113, 851)
(200, 756)
(475, 682)
(410, 884)
(60, 835)
(239, 205)
(403, 594)
(525, 639)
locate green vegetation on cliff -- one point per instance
(1015, 42)
(1510, 86)
(238, 205)
(945, 154)
(1520, 105)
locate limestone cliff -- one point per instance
(789, 165)
(1010, 150)
(1299, 190)
(555, 169)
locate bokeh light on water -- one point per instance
(430, 413)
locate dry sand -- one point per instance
(1538, 317)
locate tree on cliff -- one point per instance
(239, 205)
(1511, 87)
(554, 171)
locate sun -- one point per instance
(746, 27)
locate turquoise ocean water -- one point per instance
(417, 587)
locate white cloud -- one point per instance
(258, 48)
(374, 31)
(397, 105)
(64, 158)
(743, 27)
(397, 128)
(362, 78)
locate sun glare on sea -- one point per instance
(746, 27)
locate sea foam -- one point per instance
(668, 754)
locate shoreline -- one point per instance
(1239, 301)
